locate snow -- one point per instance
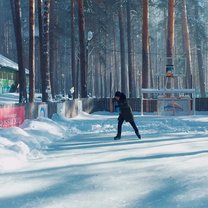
(75, 163)
(12, 98)
(7, 62)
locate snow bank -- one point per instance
(31, 139)
(18, 144)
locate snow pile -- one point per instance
(18, 144)
(68, 124)
(12, 154)
(31, 140)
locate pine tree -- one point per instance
(82, 49)
(17, 15)
(145, 45)
(32, 51)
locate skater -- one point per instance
(124, 115)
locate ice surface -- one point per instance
(75, 163)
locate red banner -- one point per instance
(10, 117)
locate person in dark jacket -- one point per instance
(124, 115)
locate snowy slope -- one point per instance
(75, 163)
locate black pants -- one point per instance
(120, 122)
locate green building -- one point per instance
(8, 74)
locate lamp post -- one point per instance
(89, 38)
(63, 84)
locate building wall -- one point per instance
(7, 78)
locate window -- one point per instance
(10, 76)
(4, 75)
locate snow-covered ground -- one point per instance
(75, 163)
(11, 98)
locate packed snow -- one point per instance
(75, 163)
(12, 98)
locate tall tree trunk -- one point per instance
(111, 76)
(199, 54)
(32, 52)
(151, 81)
(101, 77)
(46, 85)
(73, 49)
(145, 45)
(105, 77)
(170, 41)
(17, 15)
(122, 51)
(135, 77)
(40, 23)
(82, 49)
(116, 74)
(201, 71)
(171, 27)
(96, 84)
(187, 45)
(2, 27)
(92, 75)
(53, 47)
(130, 67)
(77, 86)
(44, 49)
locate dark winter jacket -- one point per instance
(125, 110)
